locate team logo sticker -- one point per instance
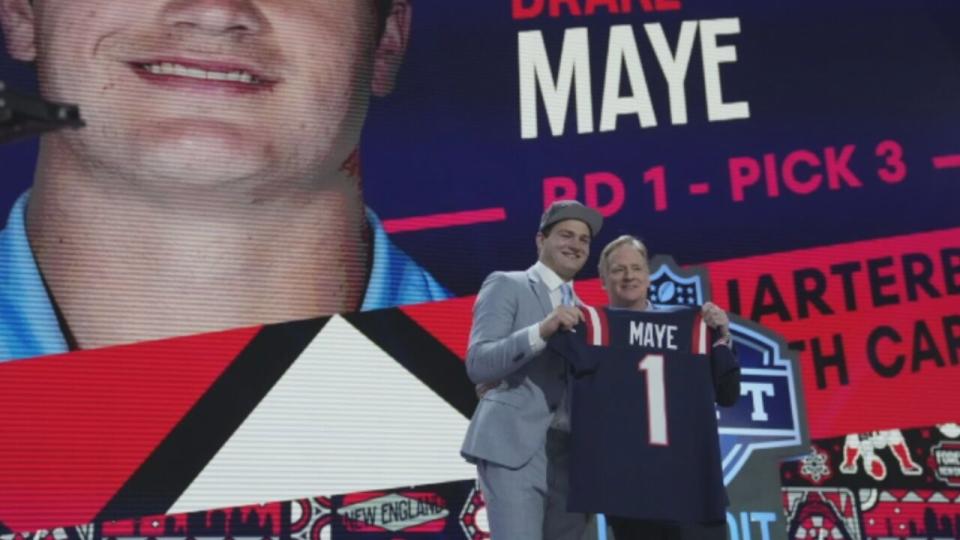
(945, 462)
(861, 449)
(815, 466)
(473, 518)
(394, 512)
(822, 513)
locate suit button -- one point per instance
(553, 408)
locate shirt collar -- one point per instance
(395, 278)
(28, 323)
(549, 277)
(650, 307)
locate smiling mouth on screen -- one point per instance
(202, 76)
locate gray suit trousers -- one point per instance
(529, 503)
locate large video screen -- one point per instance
(248, 279)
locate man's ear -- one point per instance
(17, 19)
(391, 49)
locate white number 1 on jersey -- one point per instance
(652, 364)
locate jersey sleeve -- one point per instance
(726, 374)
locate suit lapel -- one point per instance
(540, 291)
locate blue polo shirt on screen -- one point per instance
(28, 323)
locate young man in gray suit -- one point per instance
(519, 433)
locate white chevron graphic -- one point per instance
(346, 417)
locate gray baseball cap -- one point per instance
(562, 210)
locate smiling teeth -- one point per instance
(178, 70)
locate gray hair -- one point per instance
(623, 240)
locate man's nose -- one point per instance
(215, 16)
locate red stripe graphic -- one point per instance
(442, 221)
(701, 188)
(78, 426)
(878, 322)
(604, 327)
(950, 161)
(448, 321)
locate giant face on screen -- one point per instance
(267, 95)
(217, 182)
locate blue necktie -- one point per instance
(566, 295)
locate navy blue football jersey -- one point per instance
(643, 417)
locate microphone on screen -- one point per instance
(27, 116)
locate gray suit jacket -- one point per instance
(511, 420)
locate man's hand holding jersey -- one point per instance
(717, 319)
(561, 318)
